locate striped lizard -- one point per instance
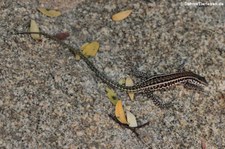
(187, 78)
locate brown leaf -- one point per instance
(62, 35)
(121, 15)
(203, 144)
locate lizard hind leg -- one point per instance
(158, 102)
(194, 87)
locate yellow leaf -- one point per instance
(129, 82)
(131, 119)
(121, 15)
(34, 28)
(84, 45)
(111, 95)
(122, 81)
(49, 13)
(119, 112)
(77, 57)
(90, 49)
(131, 95)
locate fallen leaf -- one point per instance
(90, 49)
(131, 119)
(129, 82)
(111, 95)
(119, 112)
(122, 81)
(203, 144)
(84, 45)
(34, 28)
(62, 35)
(77, 57)
(121, 15)
(49, 13)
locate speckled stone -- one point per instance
(50, 100)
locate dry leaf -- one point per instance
(77, 57)
(83, 46)
(50, 13)
(129, 82)
(62, 35)
(90, 49)
(203, 144)
(121, 15)
(111, 95)
(122, 81)
(119, 112)
(131, 119)
(34, 28)
(131, 95)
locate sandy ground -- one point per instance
(50, 100)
